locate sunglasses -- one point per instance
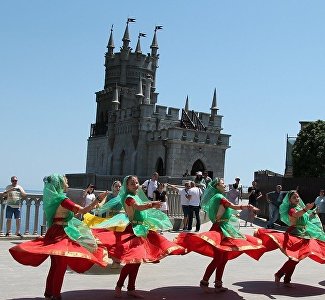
(14, 180)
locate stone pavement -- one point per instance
(175, 277)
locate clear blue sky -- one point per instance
(266, 59)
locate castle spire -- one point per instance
(154, 45)
(126, 36)
(138, 47)
(186, 104)
(214, 108)
(110, 45)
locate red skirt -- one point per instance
(295, 247)
(56, 242)
(128, 248)
(211, 242)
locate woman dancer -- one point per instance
(223, 242)
(139, 242)
(303, 238)
(68, 242)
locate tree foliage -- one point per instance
(308, 154)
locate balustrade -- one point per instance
(33, 217)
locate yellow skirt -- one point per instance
(92, 220)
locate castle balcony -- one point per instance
(98, 129)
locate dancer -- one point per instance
(303, 238)
(223, 242)
(139, 242)
(68, 242)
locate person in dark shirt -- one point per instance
(274, 199)
(254, 195)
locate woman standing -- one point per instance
(68, 242)
(223, 242)
(139, 242)
(160, 195)
(303, 238)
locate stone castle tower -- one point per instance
(135, 135)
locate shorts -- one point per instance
(10, 211)
(186, 210)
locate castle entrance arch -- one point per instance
(197, 166)
(160, 167)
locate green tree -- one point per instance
(308, 154)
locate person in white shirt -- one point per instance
(88, 195)
(194, 207)
(150, 185)
(185, 197)
(13, 194)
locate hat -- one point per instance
(199, 173)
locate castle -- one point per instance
(135, 135)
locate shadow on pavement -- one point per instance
(166, 293)
(269, 288)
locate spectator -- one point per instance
(206, 177)
(186, 173)
(13, 194)
(88, 195)
(160, 195)
(320, 207)
(194, 207)
(274, 199)
(233, 194)
(240, 188)
(150, 185)
(254, 195)
(185, 197)
(199, 181)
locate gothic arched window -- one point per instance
(160, 167)
(197, 166)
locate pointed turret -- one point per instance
(110, 45)
(126, 36)
(154, 45)
(115, 102)
(186, 104)
(214, 108)
(138, 47)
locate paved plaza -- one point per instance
(175, 277)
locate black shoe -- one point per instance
(18, 234)
(7, 234)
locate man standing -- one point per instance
(199, 181)
(239, 188)
(13, 194)
(150, 185)
(207, 178)
(320, 207)
(194, 206)
(185, 198)
(254, 195)
(274, 199)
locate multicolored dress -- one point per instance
(223, 235)
(304, 239)
(66, 236)
(139, 241)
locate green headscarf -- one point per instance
(210, 203)
(53, 195)
(143, 221)
(308, 225)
